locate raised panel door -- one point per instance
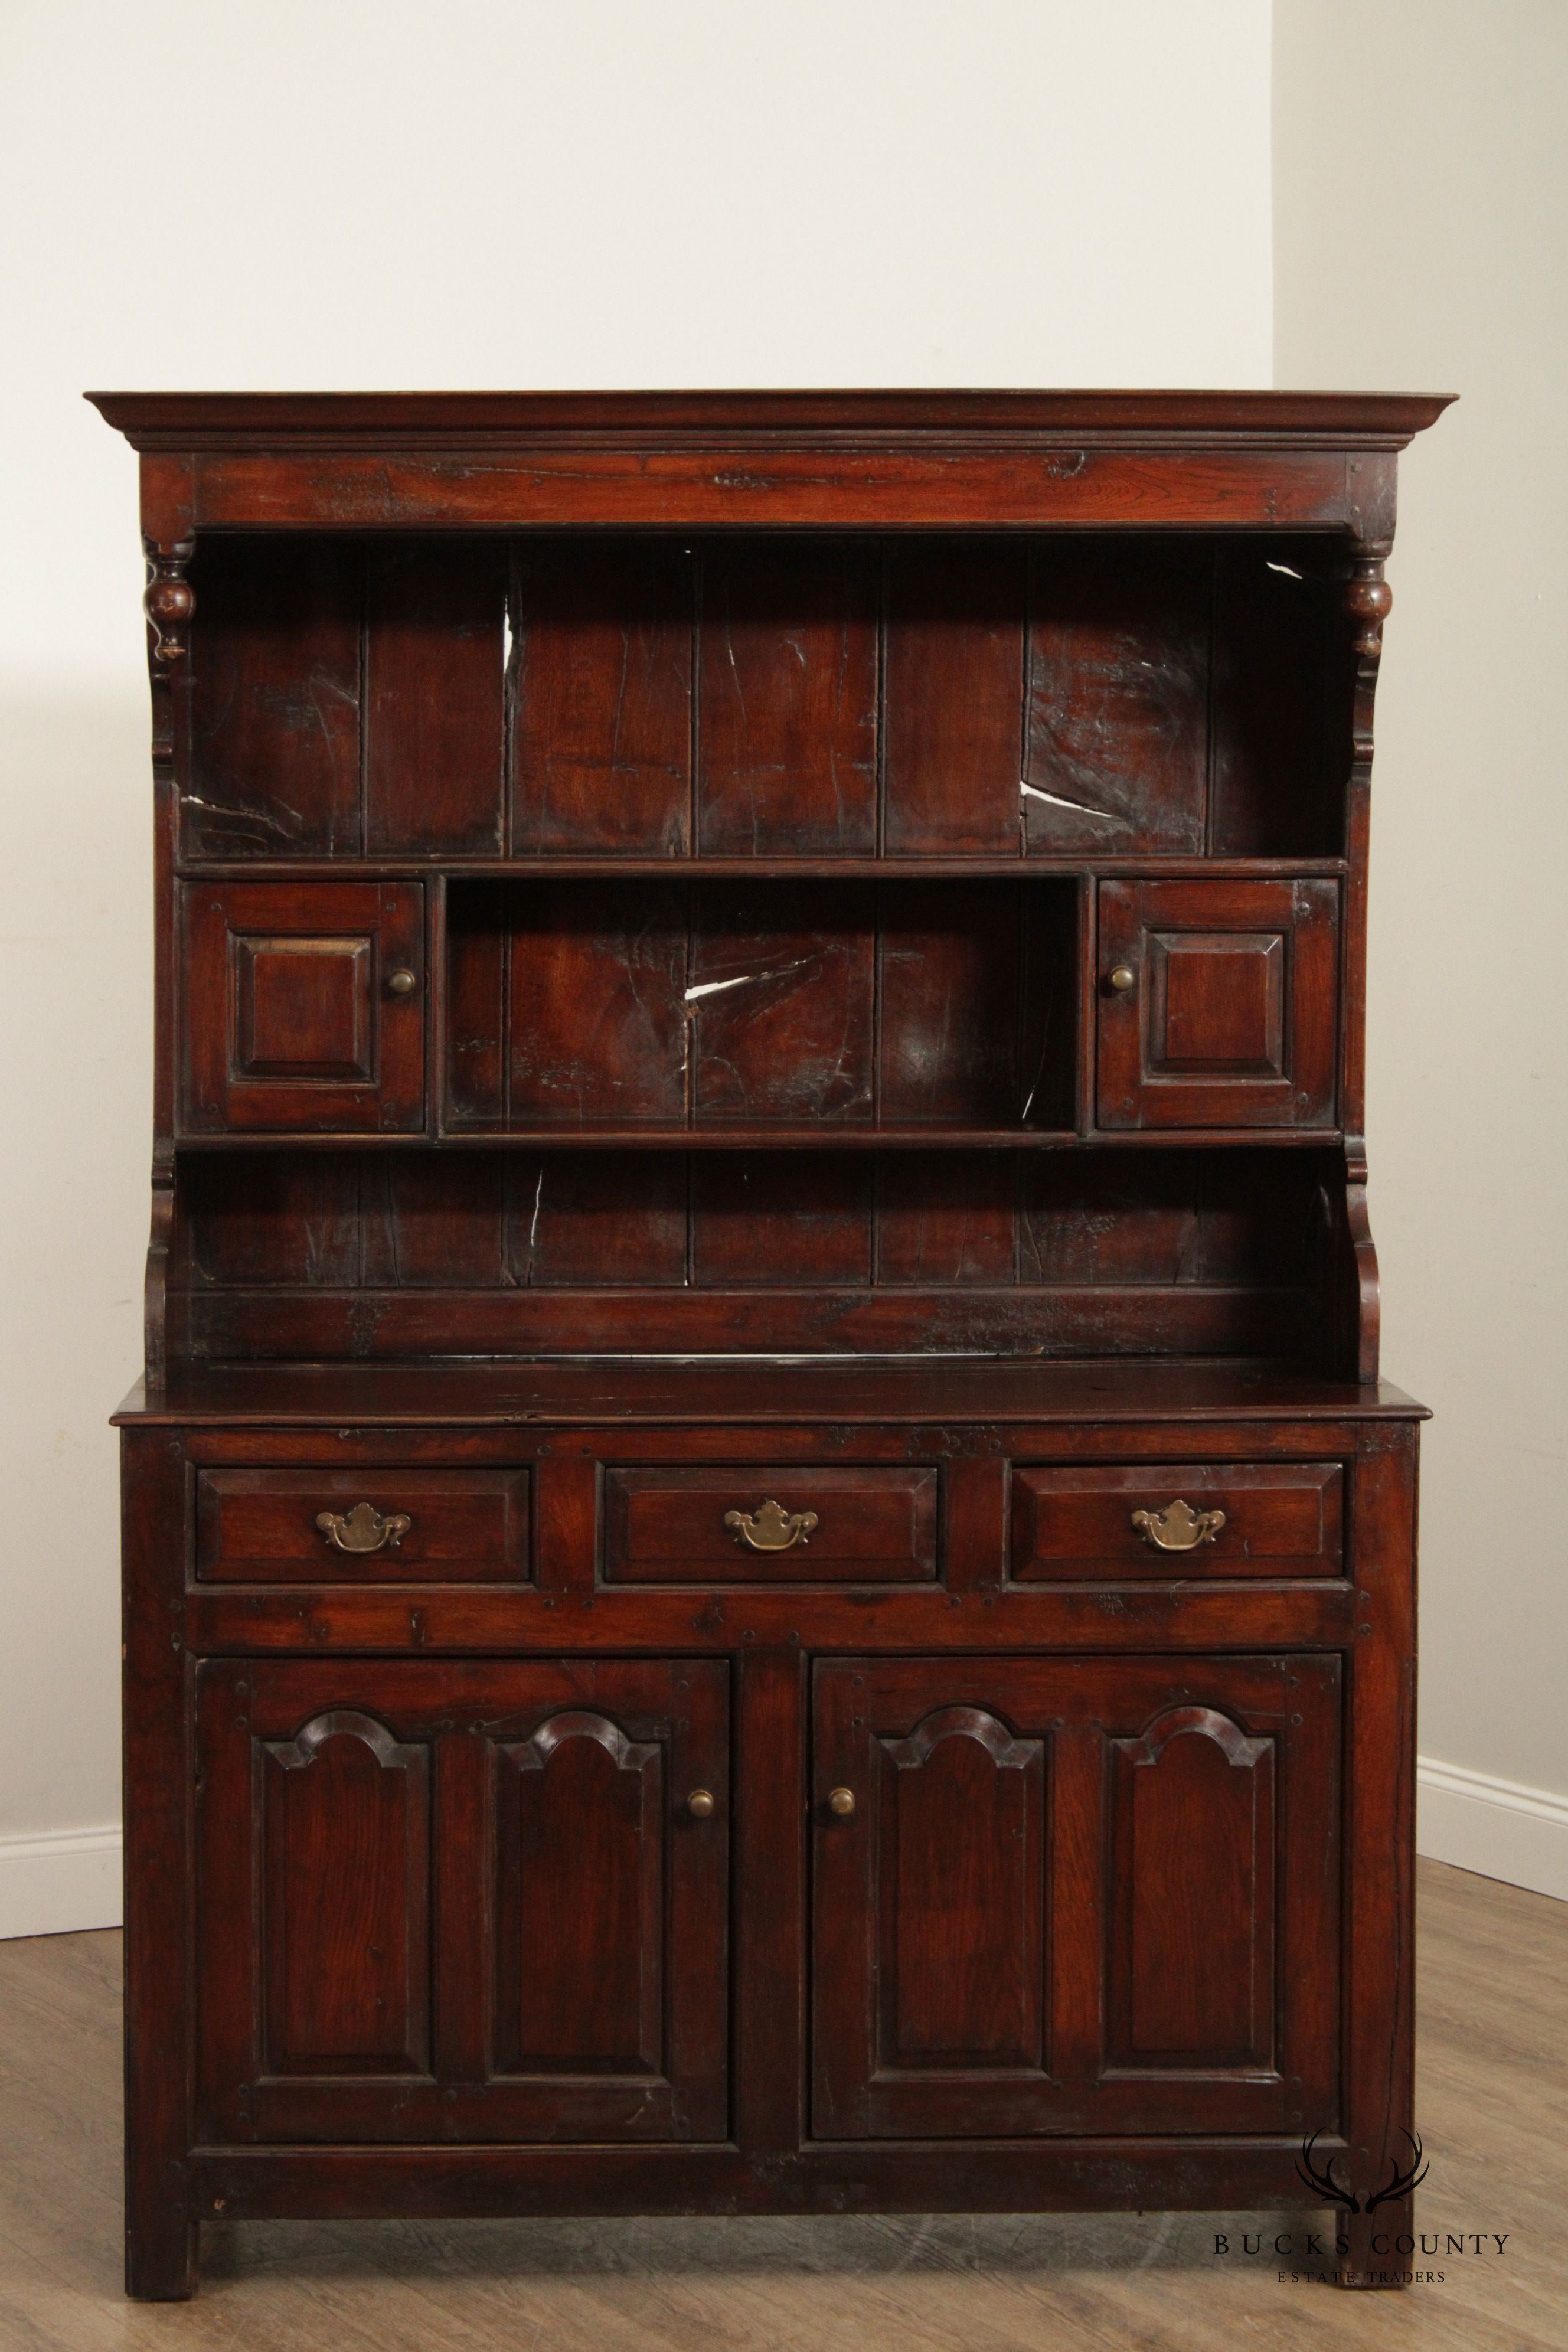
(1062, 1895)
(463, 1901)
(1218, 1003)
(304, 1007)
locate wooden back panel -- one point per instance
(404, 1253)
(440, 697)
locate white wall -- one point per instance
(335, 194)
(1421, 192)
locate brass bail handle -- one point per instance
(770, 1527)
(364, 1529)
(1178, 1528)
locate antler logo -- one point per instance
(1398, 2184)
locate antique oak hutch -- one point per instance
(765, 1568)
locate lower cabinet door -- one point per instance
(460, 1902)
(1061, 1895)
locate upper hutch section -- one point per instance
(850, 626)
(871, 872)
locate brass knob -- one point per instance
(1122, 977)
(699, 1805)
(841, 1802)
(402, 983)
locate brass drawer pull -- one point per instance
(771, 1528)
(364, 1529)
(841, 1802)
(1178, 1528)
(699, 1805)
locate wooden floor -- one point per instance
(1493, 2108)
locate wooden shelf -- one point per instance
(823, 1138)
(1019, 868)
(625, 1388)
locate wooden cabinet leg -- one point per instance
(160, 2236)
(161, 2255)
(1378, 2246)
(1380, 1925)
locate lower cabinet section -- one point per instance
(463, 1902)
(1066, 1894)
(491, 1901)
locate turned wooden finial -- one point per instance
(1369, 600)
(170, 602)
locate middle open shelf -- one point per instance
(736, 1008)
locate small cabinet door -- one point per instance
(463, 1902)
(1075, 1896)
(304, 1007)
(1218, 1003)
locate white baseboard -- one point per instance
(1496, 1828)
(57, 1883)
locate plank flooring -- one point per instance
(1492, 2101)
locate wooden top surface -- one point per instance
(259, 420)
(720, 1389)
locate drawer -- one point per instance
(1153, 1519)
(724, 1525)
(388, 1527)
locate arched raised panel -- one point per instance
(961, 1849)
(1190, 1925)
(579, 1874)
(1092, 1895)
(345, 1928)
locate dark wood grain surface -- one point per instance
(195, 419)
(766, 1570)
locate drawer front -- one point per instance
(1162, 1519)
(723, 1524)
(385, 1527)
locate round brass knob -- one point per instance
(1122, 977)
(402, 983)
(700, 1804)
(841, 1802)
